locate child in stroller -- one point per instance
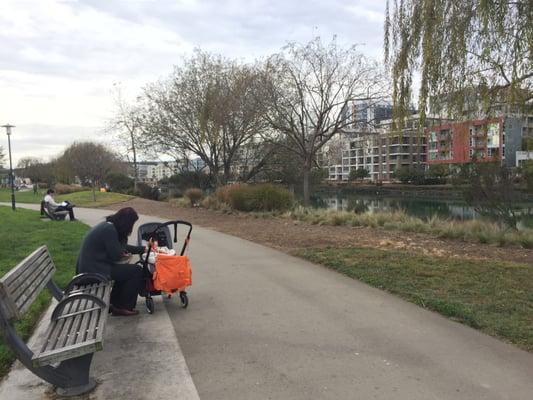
(164, 271)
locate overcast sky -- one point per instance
(60, 59)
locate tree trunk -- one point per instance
(94, 192)
(306, 171)
(135, 167)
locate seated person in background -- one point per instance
(54, 207)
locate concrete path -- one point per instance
(141, 359)
(264, 325)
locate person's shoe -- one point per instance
(123, 312)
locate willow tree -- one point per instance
(470, 54)
(311, 89)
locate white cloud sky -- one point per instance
(59, 59)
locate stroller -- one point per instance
(160, 232)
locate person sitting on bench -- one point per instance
(54, 207)
(102, 249)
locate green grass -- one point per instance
(22, 232)
(80, 199)
(494, 297)
(479, 231)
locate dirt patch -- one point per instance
(288, 235)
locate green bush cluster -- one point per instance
(119, 182)
(265, 197)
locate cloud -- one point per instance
(59, 59)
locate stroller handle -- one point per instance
(175, 224)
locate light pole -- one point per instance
(11, 176)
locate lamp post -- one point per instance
(11, 176)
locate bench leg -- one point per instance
(77, 371)
(72, 376)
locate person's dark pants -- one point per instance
(128, 283)
(67, 208)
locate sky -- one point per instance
(60, 61)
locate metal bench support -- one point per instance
(71, 377)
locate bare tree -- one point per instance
(208, 108)
(310, 89)
(90, 162)
(126, 125)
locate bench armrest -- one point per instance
(73, 297)
(85, 279)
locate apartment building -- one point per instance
(484, 140)
(383, 150)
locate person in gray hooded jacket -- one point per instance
(102, 249)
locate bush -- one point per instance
(147, 192)
(194, 195)
(255, 198)
(61, 188)
(120, 183)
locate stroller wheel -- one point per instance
(184, 299)
(150, 305)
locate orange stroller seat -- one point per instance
(172, 273)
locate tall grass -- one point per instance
(469, 231)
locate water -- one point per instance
(421, 208)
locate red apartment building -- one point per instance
(463, 142)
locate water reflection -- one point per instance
(416, 207)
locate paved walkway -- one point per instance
(264, 325)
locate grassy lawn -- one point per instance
(22, 232)
(494, 297)
(81, 199)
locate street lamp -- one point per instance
(11, 176)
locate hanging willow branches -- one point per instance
(470, 54)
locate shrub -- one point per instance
(147, 192)
(194, 195)
(120, 183)
(61, 188)
(265, 197)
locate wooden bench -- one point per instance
(63, 355)
(50, 213)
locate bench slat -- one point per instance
(91, 331)
(89, 322)
(31, 291)
(21, 267)
(61, 326)
(21, 286)
(29, 276)
(54, 331)
(26, 270)
(76, 335)
(102, 317)
(81, 320)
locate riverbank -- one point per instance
(287, 234)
